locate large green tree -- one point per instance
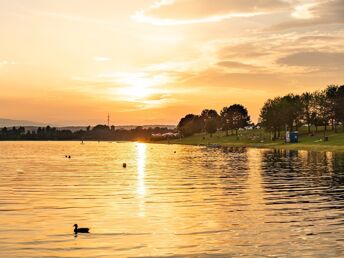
(234, 117)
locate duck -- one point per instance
(80, 230)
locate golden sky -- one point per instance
(151, 62)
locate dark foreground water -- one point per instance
(170, 201)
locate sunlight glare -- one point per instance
(141, 163)
(141, 188)
(138, 86)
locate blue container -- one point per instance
(292, 137)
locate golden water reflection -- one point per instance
(141, 163)
(171, 200)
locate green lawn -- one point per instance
(260, 139)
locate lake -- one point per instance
(170, 201)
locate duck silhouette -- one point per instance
(80, 230)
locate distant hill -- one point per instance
(129, 127)
(4, 122)
(31, 125)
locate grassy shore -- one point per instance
(260, 139)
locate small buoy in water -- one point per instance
(175, 152)
(124, 165)
(66, 156)
(69, 156)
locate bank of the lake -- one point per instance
(260, 139)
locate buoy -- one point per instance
(69, 156)
(124, 165)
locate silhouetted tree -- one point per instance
(291, 111)
(207, 114)
(307, 100)
(323, 109)
(339, 106)
(185, 125)
(234, 118)
(270, 118)
(330, 96)
(211, 126)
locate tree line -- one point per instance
(96, 133)
(311, 109)
(320, 108)
(323, 108)
(231, 118)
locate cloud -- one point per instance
(310, 39)
(6, 62)
(238, 66)
(325, 12)
(315, 59)
(242, 51)
(101, 58)
(266, 53)
(177, 12)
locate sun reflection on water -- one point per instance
(141, 164)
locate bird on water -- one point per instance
(80, 230)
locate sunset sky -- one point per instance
(70, 62)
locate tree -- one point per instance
(291, 111)
(224, 120)
(270, 117)
(330, 95)
(98, 128)
(207, 114)
(339, 105)
(186, 125)
(323, 109)
(234, 118)
(211, 126)
(307, 100)
(197, 124)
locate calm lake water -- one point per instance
(170, 201)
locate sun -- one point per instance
(138, 86)
(137, 92)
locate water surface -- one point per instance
(170, 201)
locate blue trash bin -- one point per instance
(292, 137)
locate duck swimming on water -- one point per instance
(80, 230)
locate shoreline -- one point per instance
(315, 148)
(306, 143)
(320, 147)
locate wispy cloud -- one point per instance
(179, 12)
(313, 14)
(101, 58)
(142, 17)
(333, 61)
(4, 63)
